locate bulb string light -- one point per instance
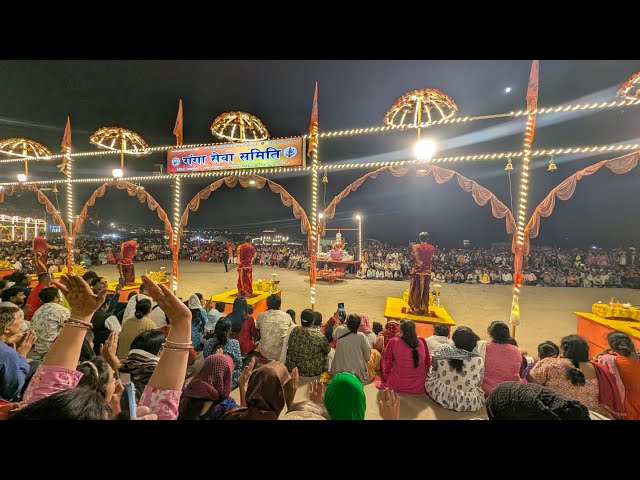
(69, 187)
(314, 213)
(353, 131)
(176, 231)
(347, 166)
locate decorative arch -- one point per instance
(133, 191)
(42, 198)
(481, 195)
(564, 191)
(231, 182)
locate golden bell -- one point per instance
(55, 189)
(552, 166)
(509, 165)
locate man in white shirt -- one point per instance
(440, 337)
(157, 315)
(214, 315)
(47, 322)
(17, 266)
(273, 325)
(507, 278)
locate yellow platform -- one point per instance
(127, 289)
(259, 301)
(424, 323)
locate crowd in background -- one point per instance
(543, 267)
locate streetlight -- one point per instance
(359, 219)
(117, 173)
(22, 177)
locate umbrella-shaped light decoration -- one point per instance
(239, 127)
(116, 138)
(631, 88)
(414, 106)
(23, 147)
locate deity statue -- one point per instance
(337, 248)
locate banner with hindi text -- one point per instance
(283, 152)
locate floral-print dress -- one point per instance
(461, 392)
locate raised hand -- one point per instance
(389, 406)
(295, 379)
(114, 401)
(316, 392)
(243, 381)
(26, 342)
(81, 298)
(171, 305)
(108, 350)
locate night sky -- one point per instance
(37, 96)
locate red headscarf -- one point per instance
(391, 329)
(213, 380)
(364, 324)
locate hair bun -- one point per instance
(138, 314)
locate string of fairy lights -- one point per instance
(176, 178)
(343, 166)
(176, 229)
(314, 212)
(353, 131)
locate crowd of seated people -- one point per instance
(542, 267)
(70, 360)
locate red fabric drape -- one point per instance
(565, 190)
(134, 191)
(231, 181)
(42, 198)
(480, 195)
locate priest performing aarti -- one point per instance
(40, 249)
(125, 265)
(246, 253)
(422, 253)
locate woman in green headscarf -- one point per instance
(344, 398)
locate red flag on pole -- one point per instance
(313, 126)
(66, 146)
(177, 130)
(532, 92)
(66, 140)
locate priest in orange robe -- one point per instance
(422, 254)
(125, 265)
(40, 248)
(246, 252)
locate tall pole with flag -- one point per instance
(313, 152)
(530, 128)
(66, 169)
(175, 247)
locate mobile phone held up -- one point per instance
(341, 312)
(130, 395)
(121, 281)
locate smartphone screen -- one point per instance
(130, 397)
(341, 310)
(121, 281)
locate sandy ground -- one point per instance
(546, 313)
